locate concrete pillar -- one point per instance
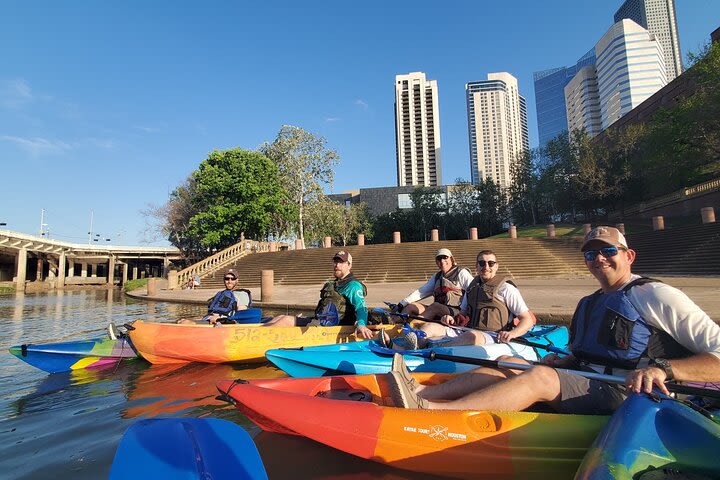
(273, 247)
(111, 272)
(551, 230)
(21, 273)
(142, 273)
(658, 223)
(61, 271)
(38, 274)
(83, 269)
(708, 214)
(620, 227)
(52, 270)
(267, 281)
(135, 273)
(512, 231)
(396, 237)
(586, 228)
(172, 279)
(124, 273)
(71, 268)
(361, 239)
(327, 242)
(298, 244)
(152, 287)
(473, 233)
(434, 235)
(166, 267)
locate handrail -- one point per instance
(218, 260)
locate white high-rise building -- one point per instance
(582, 102)
(417, 131)
(497, 127)
(630, 67)
(657, 17)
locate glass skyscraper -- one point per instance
(550, 97)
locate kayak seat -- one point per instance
(347, 394)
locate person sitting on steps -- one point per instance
(492, 310)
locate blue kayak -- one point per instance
(360, 358)
(654, 437)
(187, 448)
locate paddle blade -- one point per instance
(186, 448)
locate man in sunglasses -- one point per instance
(639, 328)
(492, 310)
(446, 287)
(223, 304)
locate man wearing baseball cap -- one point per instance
(446, 288)
(343, 297)
(642, 329)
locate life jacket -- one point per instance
(447, 287)
(223, 302)
(487, 312)
(607, 330)
(331, 301)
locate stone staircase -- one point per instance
(690, 250)
(410, 262)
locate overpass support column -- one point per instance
(124, 273)
(166, 267)
(111, 272)
(135, 273)
(61, 271)
(83, 269)
(21, 274)
(40, 264)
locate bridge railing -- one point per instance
(218, 260)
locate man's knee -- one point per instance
(545, 381)
(437, 310)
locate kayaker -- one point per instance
(642, 329)
(446, 288)
(223, 304)
(492, 310)
(345, 296)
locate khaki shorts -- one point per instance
(584, 396)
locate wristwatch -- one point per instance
(664, 365)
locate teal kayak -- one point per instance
(655, 437)
(359, 358)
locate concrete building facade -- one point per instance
(657, 17)
(497, 127)
(582, 102)
(417, 131)
(630, 68)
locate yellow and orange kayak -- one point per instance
(355, 414)
(182, 343)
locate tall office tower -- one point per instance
(550, 97)
(497, 127)
(657, 17)
(630, 68)
(417, 131)
(582, 102)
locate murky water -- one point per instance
(68, 425)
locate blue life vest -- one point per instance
(606, 329)
(223, 302)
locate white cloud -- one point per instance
(332, 119)
(362, 104)
(38, 145)
(15, 92)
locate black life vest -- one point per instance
(331, 301)
(607, 329)
(223, 302)
(447, 287)
(487, 312)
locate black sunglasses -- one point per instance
(441, 257)
(607, 252)
(230, 278)
(490, 263)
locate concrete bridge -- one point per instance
(26, 258)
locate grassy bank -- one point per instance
(6, 290)
(135, 284)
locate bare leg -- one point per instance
(435, 311)
(469, 337)
(280, 321)
(518, 392)
(415, 308)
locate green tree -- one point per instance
(305, 166)
(428, 211)
(236, 192)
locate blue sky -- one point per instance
(108, 106)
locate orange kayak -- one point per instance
(355, 414)
(182, 343)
